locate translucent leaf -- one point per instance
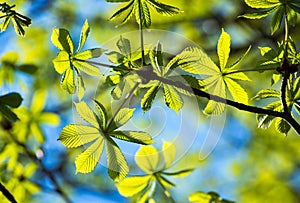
(84, 34)
(77, 135)
(117, 92)
(147, 194)
(277, 19)
(237, 92)
(262, 3)
(68, 81)
(18, 27)
(169, 153)
(101, 114)
(275, 78)
(165, 182)
(117, 165)
(62, 40)
(172, 98)
(121, 118)
(27, 68)
(87, 160)
(133, 136)
(236, 63)
(62, 62)
(215, 108)
(113, 79)
(258, 15)
(267, 93)
(181, 173)
(87, 68)
(282, 126)
(132, 185)
(296, 89)
(223, 49)
(200, 197)
(86, 113)
(147, 159)
(196, 61)
(128, 8)
(5, 24)
(90, 53)
(38, 101)
(143, 12)
(12, 99)
(149, 97)
(115, 57)
(264, 121)
(164, 9)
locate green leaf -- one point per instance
(157, 59)
(143, 12)
(172, 98)
(117, 1)
(149, 97)
(296, 89)
(237, 92)
(258, 15)
(164, 9)
(101, 114)
(117, 92)
(84, 34)
(128, 8)
(38, 101)
(62, 40)
(147, 159)
(275, 78)
(264, 121)
(11, 99)
(223, 49)
(165, 182)
(133, 136)
(5, 24)
(121, 118)
(87, 68)
(132, 185)
(88, 54)
(68, 81)
(215, 108)
(81, 88)
(11, 116)
(115, 57)
(282, 126)
(200, 197)
(235, 64)
(27, 68)
(262, 3)
(18, 27)
(169, 153)
(267, 93)
(277, 19)
(62, 62)
(75, 135)
(87, 160)
(86, 113)
(117, 165)
(124, 46)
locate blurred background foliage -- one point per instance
(247, 165)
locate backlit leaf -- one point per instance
(169, 153)
(282, 126)
(164, 9)
(86, 113)
(277, 19)
(223, 49)
(267, 93)
(87, 160)
(149, 97)
(87, 68)
(38, 101)
(133, 136)
(11, 116)
(172, 98)
(90, 53)
(62, 62)
(142, 10)
(262, 3)
(258, 15)
(121, 118)
(84, 34)
(132, 185)
(101, 114)
(77, 135)
(68, 81)
(147, 159)
(81, 88)
(237, 92)
(62, 40)
(181, 173)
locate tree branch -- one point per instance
(150, 75)
(7, 194)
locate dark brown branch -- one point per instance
(150, 75)
(7, 194)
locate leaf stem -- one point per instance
(166, 191)
(128, 96)
(141, 33)
(249, 70)
(7, 194)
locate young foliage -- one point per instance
(7, 101)
(70, 63)
(293, 101)
(101, 130)
(279, 8)
(148, 159)
(140, 8)
(219, 79)
(210, 197)
(19, 20)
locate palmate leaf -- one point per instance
(147, 159)
(11, 99)
(61, 62)
(121, 118)
(262, 3)
(133, 185)
(237, 92)
(258, 15)
(87, 114)
(101, 114)
(149, 97)
(223, 49)
(267, 93)
(282, 126)
(277, 19)
(264, 121)
(169, 153)
(133, 136)
(84, 34)
(68, 81)
(172, 98)
(142, 11)
(62, 40)
(164, 9)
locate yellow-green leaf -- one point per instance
(68, 81)
(84, 34)
(172, 98)
(169, 152)
(216, 108)
(38, 101)
(237, 92)
(62, 40)
(101, 114)
(86, 113)
(223, 49)
(51, 118)
(87, 68)
(133, 136)
(238, 76)
(89, 54)
(76, 135)
(87, 160)
(147, 159)
(262, 3)
(121, 118)
(132, 185)
(81, 88)
(117, 165)
(200, 197)
(62, 62)
(148, 98)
